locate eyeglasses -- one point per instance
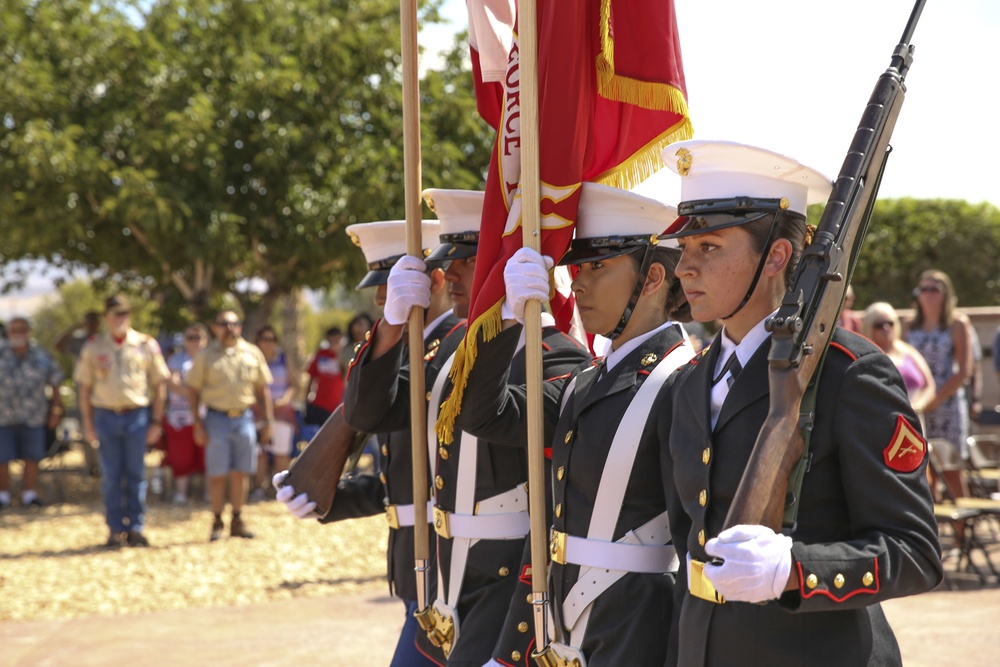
(192, 337)
(121, 313)
(888, 324)
(927, 288)
(228, 323)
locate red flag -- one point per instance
(611, 97)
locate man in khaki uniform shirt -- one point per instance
(229, 377)
(121, 378)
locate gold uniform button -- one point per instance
(385, 450)
(838, 581)
(368, 335)
(812, 581)
(561, 472)
(530, 601)
(503, 571)
(706, 455)
(569, 436)
(522, 627)
(439, 482)
(428, 397)
(443, 452)
(703, 498)
(381, 477)
(558, 510)
(515, 656)
(867, 579)
(701, 537)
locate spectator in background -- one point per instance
(229, 376)
(26, 371)
(996, 353)
(71, 342)
(285, 420)
(326, 382)
(849, 319)
(974, 386)
(880, 324)
(941, 335)
(184, 457)
(121, 376)
(356, 330)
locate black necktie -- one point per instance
(733, 366)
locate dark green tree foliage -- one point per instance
(907, 236)
(191, 145)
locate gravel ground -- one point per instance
(53, 563)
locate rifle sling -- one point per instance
(807, 418)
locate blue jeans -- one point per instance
(407, 654)
(123, 467)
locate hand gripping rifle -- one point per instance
(803, 326)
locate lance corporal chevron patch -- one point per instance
(906, 449)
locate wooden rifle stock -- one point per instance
(803, 326)
(318, 468)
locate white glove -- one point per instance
(299, 505)
(757, 563)
(409, 287)
(526, 277)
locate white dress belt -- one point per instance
(404, 514)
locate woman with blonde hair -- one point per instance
(941, 335)
(880, 324)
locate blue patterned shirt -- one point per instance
(22, 386)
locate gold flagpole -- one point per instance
(530, 222)
(414, 246)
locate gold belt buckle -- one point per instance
(392, 517)
(238, 412)
(441, 525)
(557, 547)
(700, 586)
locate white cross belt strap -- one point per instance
(611, 493)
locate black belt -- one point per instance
(121, 411)
(232, 414)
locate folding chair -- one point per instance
(960, 511)
(984, 469)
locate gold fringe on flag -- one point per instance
(620, 88)
(489, 324)
(646, 161)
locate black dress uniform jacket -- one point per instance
(865, 531)
(380, 398)
(367, 494)
(621, 619)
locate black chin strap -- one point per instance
(760, 264)
(640, 281)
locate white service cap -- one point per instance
(460, 213)
(384, 242)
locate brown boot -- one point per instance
(217, 528)
(238, 529)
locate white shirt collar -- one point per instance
(746, 348)
(428, 328)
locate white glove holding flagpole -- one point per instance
(408, 287)
(526, 277)
(299, 505)
(757, 563)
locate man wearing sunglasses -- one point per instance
(229, 377)
(121, 377)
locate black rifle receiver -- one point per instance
(804, 323)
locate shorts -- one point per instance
(232, 442)
(22, 443)
(183, 455)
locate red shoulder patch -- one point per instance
(906, 449)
